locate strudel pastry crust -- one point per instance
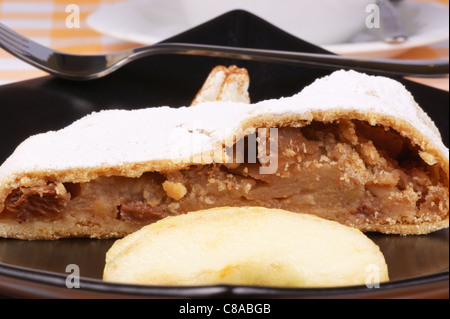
(380, 148)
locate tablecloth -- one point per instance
(45, 22)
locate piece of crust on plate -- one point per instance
(352, 148)
(225, 84)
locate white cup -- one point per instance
(316, 21)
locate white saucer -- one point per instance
(425, 24)
(133, 21)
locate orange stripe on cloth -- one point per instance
(72, 33)
(439, 83)
(33, 33)
(81, 2)
(4, 54)
(62, 15)
(94, 48)
(20, 75)
(424, 53)
(25, 15)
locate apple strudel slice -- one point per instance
(352, 148)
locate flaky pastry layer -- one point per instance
(164, 140)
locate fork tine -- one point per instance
(13, 35)
(6, 44)
(25, 49)
(12, 41)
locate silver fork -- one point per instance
(86, 67)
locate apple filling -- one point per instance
(348, 171)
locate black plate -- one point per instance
(418, 265)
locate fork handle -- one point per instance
(412, 68)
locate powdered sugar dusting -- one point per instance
(115, 137)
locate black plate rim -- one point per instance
(58, 280)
